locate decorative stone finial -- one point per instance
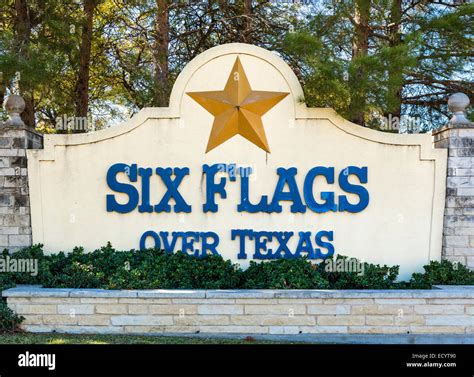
(458, 103)
(14, 106)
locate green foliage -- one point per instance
(283, 274)
(372, 276)
(442, 273)
(9, 321)
(403, 60)
(156, 269)
(111, 269)
(414, 55)
(107, 268)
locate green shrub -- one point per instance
(9, 321)
(374, 276)
(33, 252)
(283, 274)
(148, 269)
(153, 269)
(6, 281)
(442, 273)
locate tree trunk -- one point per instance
(82, 85)
(2, 91)
(358, 74)
(160, 54)
(22, 40)
(395, 75)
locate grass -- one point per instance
(29, 338)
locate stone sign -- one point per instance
(237, 165)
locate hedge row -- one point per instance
(153, 269)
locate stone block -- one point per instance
(451, 301)
(280, 330)
(141, 320)
(470, 261)
(175, 309)
(449, 320)
(89, 329)
(59, 320)
(465, 191)
(439, 309)
(16, 220)
(8, 152)
(291, 301)
(54, 301)
(198, 320)
(35, 309)
(144, 301)
(391, 309)
(275, 309)
(378, 329)
(37, 328)
(93, 320)
(329, 309)
(404, 301)
(33, 320)
(379, 320)
(463, 251)
(98, 300)
(170, 293)
(324, 329)
(98, 293)
(111, 309)
(9, 230)
(241, 293)
(461, 152)
(19, 240)
(408, 320)
(138, 309)
(437, 329)
(395, 309)
(359, 301)
(145, 329)
(7, 171)
(456, 241)
(182, 329)
(272, 320)
(262, 301)
(341, 320)
(463, 163)
(206, 301)
(220, 309)
(234, 329)
(76, 309)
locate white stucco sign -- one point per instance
(237, 165)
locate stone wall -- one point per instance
(15, 223)
(449, 310)
(458, 138)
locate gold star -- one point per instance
(237, 109)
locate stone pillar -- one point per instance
(15, 139)
(458, 137)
